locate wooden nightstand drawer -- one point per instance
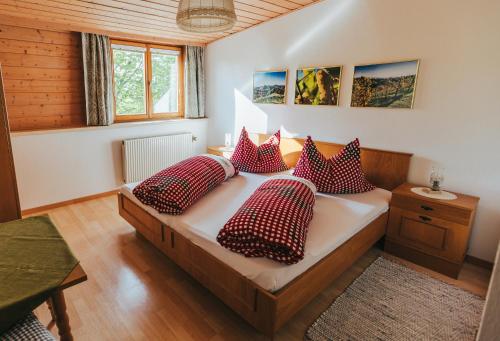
(431, 235)
(432, 209)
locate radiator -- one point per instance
(146, 156)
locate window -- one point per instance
(147, 81)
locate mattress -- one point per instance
(336, 219)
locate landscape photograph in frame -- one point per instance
(269, 87)
(318, 85)
(387, 85)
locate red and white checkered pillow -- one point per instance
(273, 222)
(176, 188)
(266, 158)
(341, 174)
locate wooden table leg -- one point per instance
(61, 317)
(53, 321)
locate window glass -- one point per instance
(147, 83)
(164, 82)
(129, 81)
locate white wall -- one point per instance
(456, 119)
(58, 165)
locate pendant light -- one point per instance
(206, 16)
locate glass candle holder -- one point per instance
(436, 179)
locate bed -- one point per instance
(267, 293)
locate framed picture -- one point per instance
(269, 87)
(388, 85)
(318, 85)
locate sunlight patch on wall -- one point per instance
(247, 87)
(287, 133)
(318, 28)
(247, 114)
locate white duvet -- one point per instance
(336, 219)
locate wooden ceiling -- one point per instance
(138, 19)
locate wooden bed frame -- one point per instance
(264, 310)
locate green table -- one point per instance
(36, 265)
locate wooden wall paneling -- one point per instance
(9, 199)
(29, 73)
(29, 34)
(48, 122)
(33, 98)
(38, 48)
(46, 62)
(43, 76)
(43, 110)
(33, 85)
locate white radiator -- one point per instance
(146, 156)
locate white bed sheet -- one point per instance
(336, 219)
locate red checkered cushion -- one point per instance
(339, 175)
(176, 188)
(266, 158)
(273, 222)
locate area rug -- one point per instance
(392, 302)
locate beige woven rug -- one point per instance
(392, 302)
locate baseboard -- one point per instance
(479, 262)
(67, 202)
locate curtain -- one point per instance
(195, 82)
(98, 79)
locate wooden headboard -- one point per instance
(384, 169)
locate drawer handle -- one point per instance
(162, 233)
(424, 218)
(426, 208)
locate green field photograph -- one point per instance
(318, 85)
(389, 85)
(269, 87)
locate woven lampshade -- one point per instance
(205, 16)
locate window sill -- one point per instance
(118, 125)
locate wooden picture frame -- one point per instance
(268, 311)
(270, 76)
(335, 73)
(385, 85)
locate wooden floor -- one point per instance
(136, 293)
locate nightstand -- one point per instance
(221, 151)
(430, 232)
